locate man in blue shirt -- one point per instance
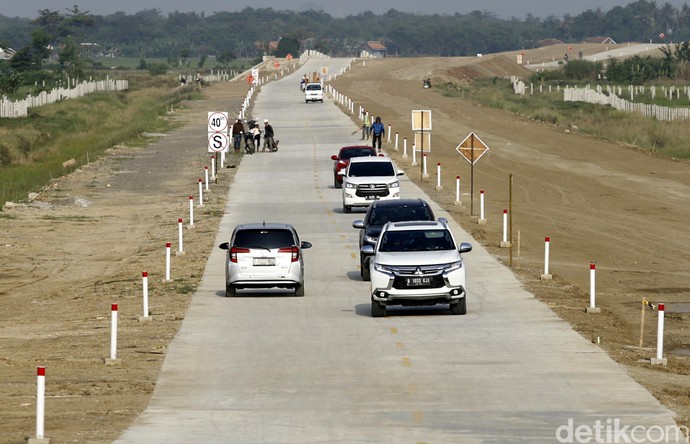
(378, 130)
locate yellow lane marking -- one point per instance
(400, 344)
(394, 330)
(418, 417)
(406, 361)
(354, 256)
(412, 388)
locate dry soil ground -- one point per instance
(85, 241)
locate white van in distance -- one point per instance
(313, 93)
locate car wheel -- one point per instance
(378, 310)
(460, 307)
(299, 291)
(365, 272)
(335, 182)
(230, 291)
(347, 209)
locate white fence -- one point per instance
(9, 108)
(597, 96)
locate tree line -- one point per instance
(73, 39)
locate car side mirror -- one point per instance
(443, 220)
(304, 245)
(465, 247)
(401, 173)
(224, 246)
(334, 157)
(367, 249)
(358, 224)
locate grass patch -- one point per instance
(666, 139)
(33, 149)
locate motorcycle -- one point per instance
(427, 83)
(249, 140)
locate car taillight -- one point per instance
(292, 250)
(234, 251)
(341, 165)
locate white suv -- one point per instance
(313, 92)
(264, 255)
(367, 179)
(417, 263)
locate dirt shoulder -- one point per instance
(83, 245)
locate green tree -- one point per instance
(287, 45)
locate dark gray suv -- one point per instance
(378, 214)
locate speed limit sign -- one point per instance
(218, 142)
(217, 121)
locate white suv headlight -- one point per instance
(382, 268)
(395, 184)
(453, 266)
(350, 185)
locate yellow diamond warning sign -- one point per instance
(472, 148)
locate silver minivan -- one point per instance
(264, 255)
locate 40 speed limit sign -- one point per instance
(218, 139)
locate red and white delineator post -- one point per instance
(191, 211)
(180, 247)
(660, 360)
(201, 193)
(396, 140)
(40, 401)
(546, 275)
(145, 292)
(113, 332)
(482, 219)
(458, 197)
(206, 178)
(438, 176)
(505, 243)
(167, 261)
(592, 290)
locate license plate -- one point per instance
(418, 281)
(372, 197)
(264, 261)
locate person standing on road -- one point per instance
(377, 131)
(269, 142)
(237, 131)
(366, 128)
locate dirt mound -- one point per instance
(483, 67)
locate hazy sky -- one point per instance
(337, 8)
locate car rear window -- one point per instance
(356, 152)
(263, 238)
(314, 87)
(363, 169)
(416, 240)
(379, 216)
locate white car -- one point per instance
(368, 179)
(313, 92)
(264, 255)
(417, 263)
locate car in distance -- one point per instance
(367, 179)
(342, 159)
(313, 92)
(417, 263)
(381, 212)
(264, 255)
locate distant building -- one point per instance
(548, 42)
(373, 49)
(6, 53)
(601, 40)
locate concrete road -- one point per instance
(268, 367)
